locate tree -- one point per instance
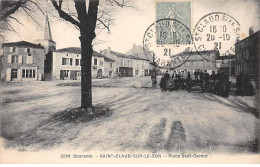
(9, 8)
(85, 21)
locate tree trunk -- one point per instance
(86, 79)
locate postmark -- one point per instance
(159, 43)
(216, 31)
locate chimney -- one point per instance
(251, 31)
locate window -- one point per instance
(28, 50)
(29, 59)
(111, 65)
(23, 74)
(77, 62)
(136, 72)
(14, 59)
(28, 73)
(95, 62)
(127, 63)
(101, 63)
(66, 73)
(71, 61)
(65, 61)
(14, 73)
(13, 49)
(116, 69)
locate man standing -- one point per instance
(153, 78)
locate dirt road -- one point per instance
(142, 119)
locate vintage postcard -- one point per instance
(129, 81)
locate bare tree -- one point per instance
(86, 21)
(8, 8)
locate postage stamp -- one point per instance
(178, 10)
(217, 31)
(170, 34)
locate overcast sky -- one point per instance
(130, 24)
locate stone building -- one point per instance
(203, 60)
(247, 55)
(22, 61)
(128, 65)
(65, 64)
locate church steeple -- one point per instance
(48, 42)
(47, 29)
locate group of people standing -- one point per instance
(214, 83)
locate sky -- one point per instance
(130, 24)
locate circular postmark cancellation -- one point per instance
(164, 42)
(216, 31)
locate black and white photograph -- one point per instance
(129, 81)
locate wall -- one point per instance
(37, 64)
(107, 68)
(57, 64)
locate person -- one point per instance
(196, 74)
(153, 78)
(201, 75)
(188, 82)
(206, 79)
(174, 75)
(213, 77)
(166, 75)
(163, 84)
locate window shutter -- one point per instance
(20, 59)
(27, 60)
(19, 72)
(8, 74)
(25, 50)
(11, 49)
(9, 58)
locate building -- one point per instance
(65, 64)
(247, 55)
(203, 60)
(123, 63)
(22, 61)
(140, 66)
(226, 64)
(138, 52)
(128, 65)
(47, 42)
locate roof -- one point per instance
(138, 58)
(226, 57)
(22, 44)
(122, 55)
(250, 36)
(108, 59)
(77, 50)
(198, 52)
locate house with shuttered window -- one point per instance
(22, 61)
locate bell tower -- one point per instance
(48, 43)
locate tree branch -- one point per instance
(63, 14)
(14, 7)
(31, 17)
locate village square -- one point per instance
(206, 104)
